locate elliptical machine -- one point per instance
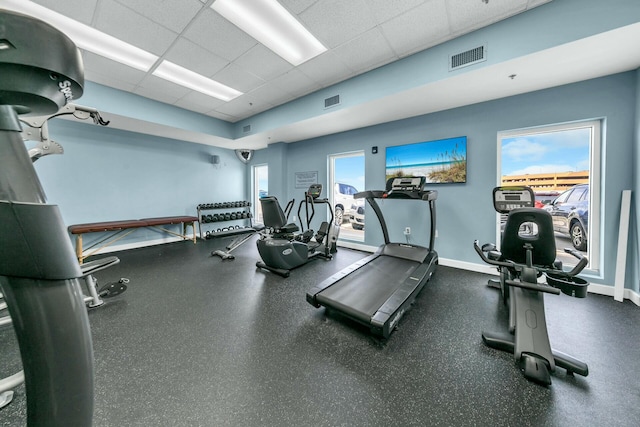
(40, 72)
(527, 252)
(280, 248)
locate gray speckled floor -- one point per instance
(197, 341)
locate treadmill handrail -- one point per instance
(426, 196)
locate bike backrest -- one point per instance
(533, 226)
(272, 213)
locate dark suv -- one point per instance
(570, 213)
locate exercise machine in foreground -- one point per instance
(280, 248)
(41, 71)
(527, 252)
(377, 290)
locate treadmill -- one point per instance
(377, 290)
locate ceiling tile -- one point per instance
(133, 28)
(217, 35)
(109, 81)
(242, 107)
(172, 14)
(237, 78)
(466, 16)
(296, 6)
(161, 90)
(196, 58)
(335, 22)
(108, 69)
(196, 101)
(263, 62)
(222, 116)
(384, 10)
(70, 9)
(534, 3)
(326, 69)
(428, 24)
(296, 83)
(367, 51)
(270, 94)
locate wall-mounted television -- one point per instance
(441, 161)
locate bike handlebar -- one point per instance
(582, 263)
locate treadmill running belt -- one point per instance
(363, 292)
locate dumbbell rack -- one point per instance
(224, 214)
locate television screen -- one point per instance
(441, 161)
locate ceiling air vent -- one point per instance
(330, 102)
(469, 57)
(246, 128)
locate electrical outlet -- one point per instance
(407, 231)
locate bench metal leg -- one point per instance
(93, 300)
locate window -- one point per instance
(260, 189)
(346, 178)
(561, 163)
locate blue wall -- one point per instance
(106, 175)
(464, 211)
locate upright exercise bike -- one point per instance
(281, 248)
(527, 252)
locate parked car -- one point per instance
(570, 213)
(343, 200)
(357, 214)
(545, 197)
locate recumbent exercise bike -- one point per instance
(280, 248)
(527, 252)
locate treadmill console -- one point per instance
(410, 183)
(506, 199)
(314, 190)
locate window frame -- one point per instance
(594, 246)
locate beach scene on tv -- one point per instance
(441, 161)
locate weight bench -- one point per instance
(122, 229)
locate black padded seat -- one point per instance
(274, 217)
(539, 234)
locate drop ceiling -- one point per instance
(360, 35)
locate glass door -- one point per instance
(346, 178)
(260, 189)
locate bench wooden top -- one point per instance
(132, 223)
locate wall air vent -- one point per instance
(469, 57)
(246, 128)
(332, 101)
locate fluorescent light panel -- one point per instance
(187, 78)
(86, 37)
(272, 25)
(92, 40)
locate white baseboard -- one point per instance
(609, 291)
(593, 288)
(462, 265)
(357, 246)
(469, 266)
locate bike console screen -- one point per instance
(506, 199)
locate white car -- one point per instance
(343, 201)
(356, 218)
